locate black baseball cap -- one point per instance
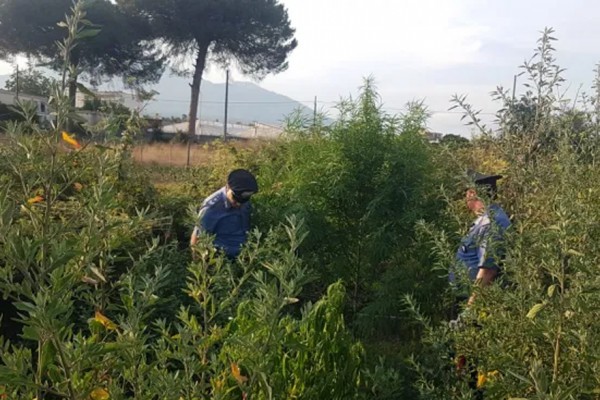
(243, 185)
(482, 179)
(486, 182)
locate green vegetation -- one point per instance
(340, 292)
(33, 27)
(30, 81)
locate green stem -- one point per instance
(39, 370)
(65, 365)
(556, 360)
(557, 352)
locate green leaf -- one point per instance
(519, 377)
(87, 33)
(551, 290)
(30, 333)
(535, 310)
(97, 272)
(54, 373)
(48, 355)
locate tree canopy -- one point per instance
(255, 35)
(30, 81)
(120, 47)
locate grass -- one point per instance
(175, 154)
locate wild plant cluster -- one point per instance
(341, 290)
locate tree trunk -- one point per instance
(72, 90)
(72, 85)
(198, 70)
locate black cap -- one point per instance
(488, 182)
(243, 184)
(482, 179)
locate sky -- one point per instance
(428, 50)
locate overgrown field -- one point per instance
(341, 292)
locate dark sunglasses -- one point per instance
(242, 197)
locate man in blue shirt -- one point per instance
(226, 213)
(481, 248)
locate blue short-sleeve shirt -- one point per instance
(482, 246)
(229, 225)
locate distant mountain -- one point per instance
(248, 102)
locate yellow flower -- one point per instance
(107, 323)
(99, 394)
(235, 371)
(483, 377)
(36, 199)
(70, 140)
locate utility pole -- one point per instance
(315, 113)
(17, 79)
(226, 104)
(514, 88)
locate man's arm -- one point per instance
(488, 269)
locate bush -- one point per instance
(360, 185)
(8, 114)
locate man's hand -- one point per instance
(485, 277)
(193, 241)
(455, 324)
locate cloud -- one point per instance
(336, 33)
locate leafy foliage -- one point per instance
(357, 222)
(31, 27)
(98, 290)
(360, 186)
(31, 81)
(530, 335)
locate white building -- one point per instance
(129, 100)
(433, 137)
(11, 99)
(215, 129)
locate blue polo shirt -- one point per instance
(228, 224)
(483, 244)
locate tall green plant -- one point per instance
(530, 335)
(360, 185)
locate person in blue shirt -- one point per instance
(482, 248)
(226, 213)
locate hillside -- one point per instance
(248, 101)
